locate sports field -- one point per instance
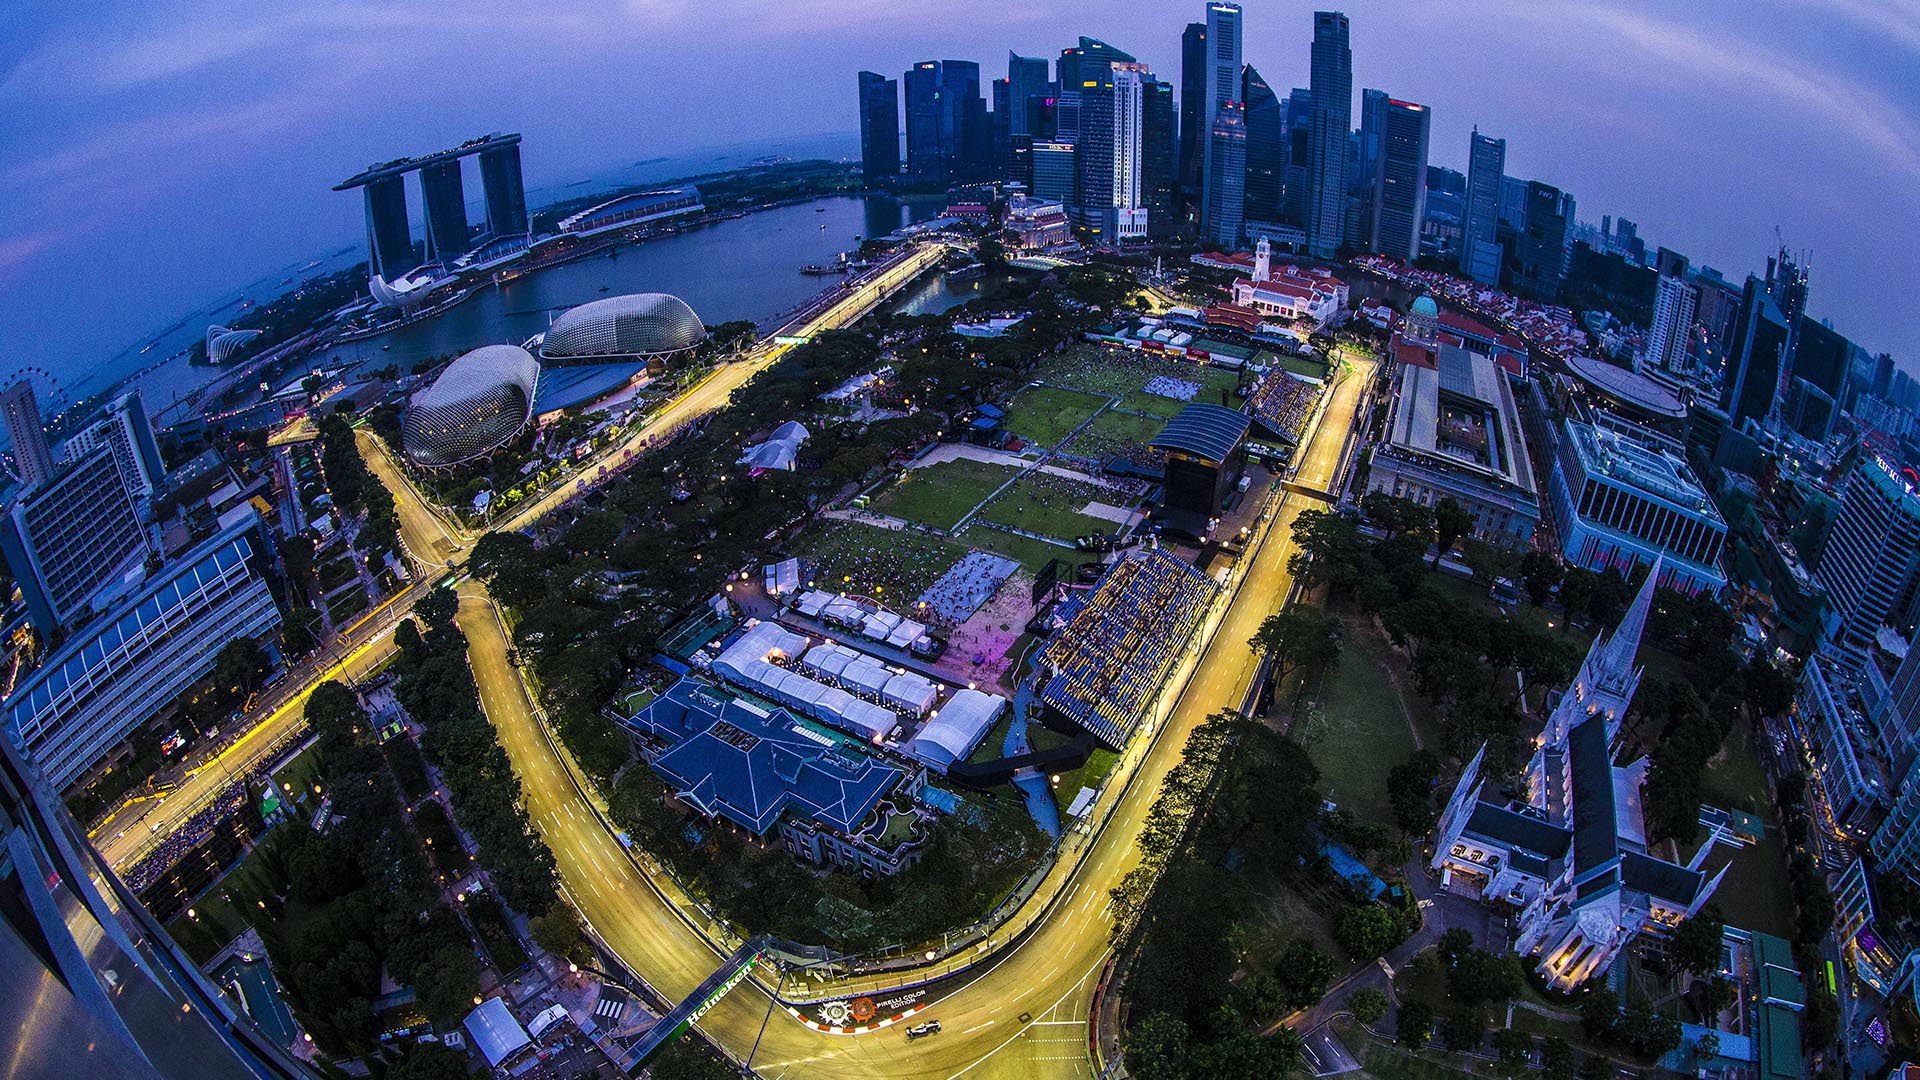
(1116, 433)
(1050, 505)
(1112, 371)
(940, 495)
(1044, 415)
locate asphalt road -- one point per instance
(1049, 976)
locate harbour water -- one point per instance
(745, 268)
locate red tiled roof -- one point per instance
(1233, 315)
(1409, 352)
(1466, 324)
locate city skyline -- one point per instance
(130, 164)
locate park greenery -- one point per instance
(1233, 820)
(356, 490)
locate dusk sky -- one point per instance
(154, 156)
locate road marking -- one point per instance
(978, 1027)
(1058, 1023)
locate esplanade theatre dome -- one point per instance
(477, 405)
(639, 325)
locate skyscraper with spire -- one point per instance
(1570, 861)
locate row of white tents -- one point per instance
(874, 624)
(831, 682)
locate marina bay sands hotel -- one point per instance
(390, 250)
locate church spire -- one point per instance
(1624, 642)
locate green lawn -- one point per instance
(1090, 775)
(1050, 505)
(1120, 372)
(1756, 894)
(1734, 779)
(940, 495)
(1367, 734)
(1044, 415)
(637, 700)
(299, 774)
(1032, 554)
(1115, 432)
(902, 563)
(1385, 1061)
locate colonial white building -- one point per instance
(1291, 293)
(1571, 859)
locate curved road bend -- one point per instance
(1049, 976)
(428, 536)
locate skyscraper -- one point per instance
(1223, 171)
(1222, 216)
(1870, 566)
(1193, 111)
(926, 160)
(1668, 341)
(1331, 80)
(1053, 170)
(1399, 182)
(389, 232)
(1026, 79)
(1822, 362)
(125, 431)
(26, 434)
(1298, 111)
(879, 127)
(503, 189)
(446, 210)
(965, 140)
(1157, 155)
(1373, 128)
(1266, 148)
(70, 536)
(1756, 358)
(1543, 243)
(1126, 211)
(1480, 254)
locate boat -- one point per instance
(606, 288)
(820, 269)
(386, 348)
(819, 209)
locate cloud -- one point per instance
(1869, 116)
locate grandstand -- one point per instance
(1118, 642)
(1282, 403)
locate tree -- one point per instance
(1706, 1047)
(1157, 1048)
(1488, 562)
(1718, 994)
(1415, 1024)
(1556, 1059)
(1540, 573)
(426, 1061)
(1481, 976)
(1398, 516)
(1298, 637)
(1367, 930)
(1645, 1032)
(1695, 945)
(1245, 1055)
(1512, 1045)
(1451, 521)
(560, 932)
(1463, 1029)
(1303, 972)
(1367, 1005)
(688, 1058)
(446, 984)
(1454, 944)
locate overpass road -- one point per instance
(1047, 976)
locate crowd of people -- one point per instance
(1167, 386)
(175, 846)
(965, 586)
(1282, 404)
(1112, 656)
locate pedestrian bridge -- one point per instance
(704, 997)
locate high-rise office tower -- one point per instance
(1882, 376)
(1331, 80)
(126, 431)
(1756, 358)
(966, 142)
(1227, 168)
(926, 158)
(1373, 130)
(1670, 337)
(1543, 244)
(1822, 363)
(503, 190)
(1399, 183)
(1026, 79)
(26, 433)
(1513, 203)
(1480, 253)
(1053, 170)
(98, 986)
(1125, 213)
(1266, 147)
(879, 127)
(1870, 566)
(1223, 177)
(1000, 119)
(70, 536)
(1298, 111)
(445, 201)
(1157, 159)
(1086, 98)
(1193, 112)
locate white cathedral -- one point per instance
(1572, 858)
